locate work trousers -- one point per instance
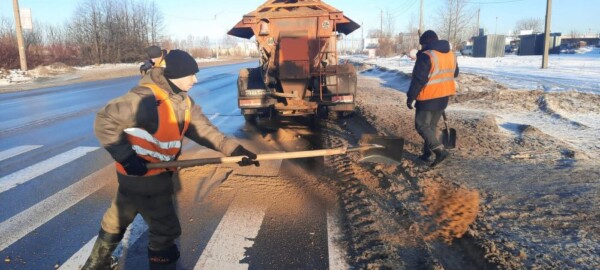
(157, 210)
(426, 125)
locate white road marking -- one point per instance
(336, 253)
(17, 151)
(228, 244)
(133, 233)
(25, 222)
(78, 259)
(33, 171)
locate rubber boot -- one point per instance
(165, 259)
(101, 256)
(440, 155)
(426, 156)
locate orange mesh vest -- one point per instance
(441, 76)
(165, 143)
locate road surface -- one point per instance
(56, 182)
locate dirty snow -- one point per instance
(560, 104)
(16, 76)
(532, 150)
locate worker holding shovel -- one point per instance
(431, 86)
(147, 126)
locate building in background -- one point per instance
(534, 44)
(489, 46)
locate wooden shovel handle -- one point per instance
(261, 157)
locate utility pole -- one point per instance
(477, 30)
(421, 20)
(20, 42)
(362, 36)
(496, 29)
(381, 25)
(547, 34)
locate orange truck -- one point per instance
(298, 73)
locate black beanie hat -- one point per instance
(154, 51)
(179, 64)
(428, 37)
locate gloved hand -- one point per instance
(135, 165)
(147, 65)
(409, 103)
(249, 159)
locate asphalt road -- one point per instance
(56, 182)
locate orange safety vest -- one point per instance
(165, 143)
(441, 76)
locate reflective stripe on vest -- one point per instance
(441, 76)
(165, 143)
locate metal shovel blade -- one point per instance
(449, 138)
(389, 150)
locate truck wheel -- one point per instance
(250, 118)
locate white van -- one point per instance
(467, 50)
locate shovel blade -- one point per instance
(389, 150)
(449, 138)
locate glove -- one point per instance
(147, 65)
(135, 165)
(249, 159)
(409, 103)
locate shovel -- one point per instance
(373, 149)
(448, 134)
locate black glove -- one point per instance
(249, 159)
(135, 165)
(409, 103)
(147, 65)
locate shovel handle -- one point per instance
(260, 157)
(445, 119)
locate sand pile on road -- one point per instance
(448, 211)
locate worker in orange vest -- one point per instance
(147, 125)
(157, 59)
(431, 86)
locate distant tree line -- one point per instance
(107, 31)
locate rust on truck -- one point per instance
(298, 72)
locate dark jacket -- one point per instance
(138, 108)
(420, 77)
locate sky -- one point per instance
(215, 18)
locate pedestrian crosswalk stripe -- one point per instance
(17, 151)
(334, 235)
(133, 233)
(25, 222)
(33, 171)
(232, 237)
(78, 259)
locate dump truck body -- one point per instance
(298, 72)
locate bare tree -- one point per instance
(532, 24)
(455, 19)
(115, 30)
(574, 34)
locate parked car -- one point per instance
(510, 49)
(467, 50)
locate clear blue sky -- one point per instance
(214, 18)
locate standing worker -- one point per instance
(431, 86)
(157, 59)
(147, 125)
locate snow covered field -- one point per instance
(580, 72)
